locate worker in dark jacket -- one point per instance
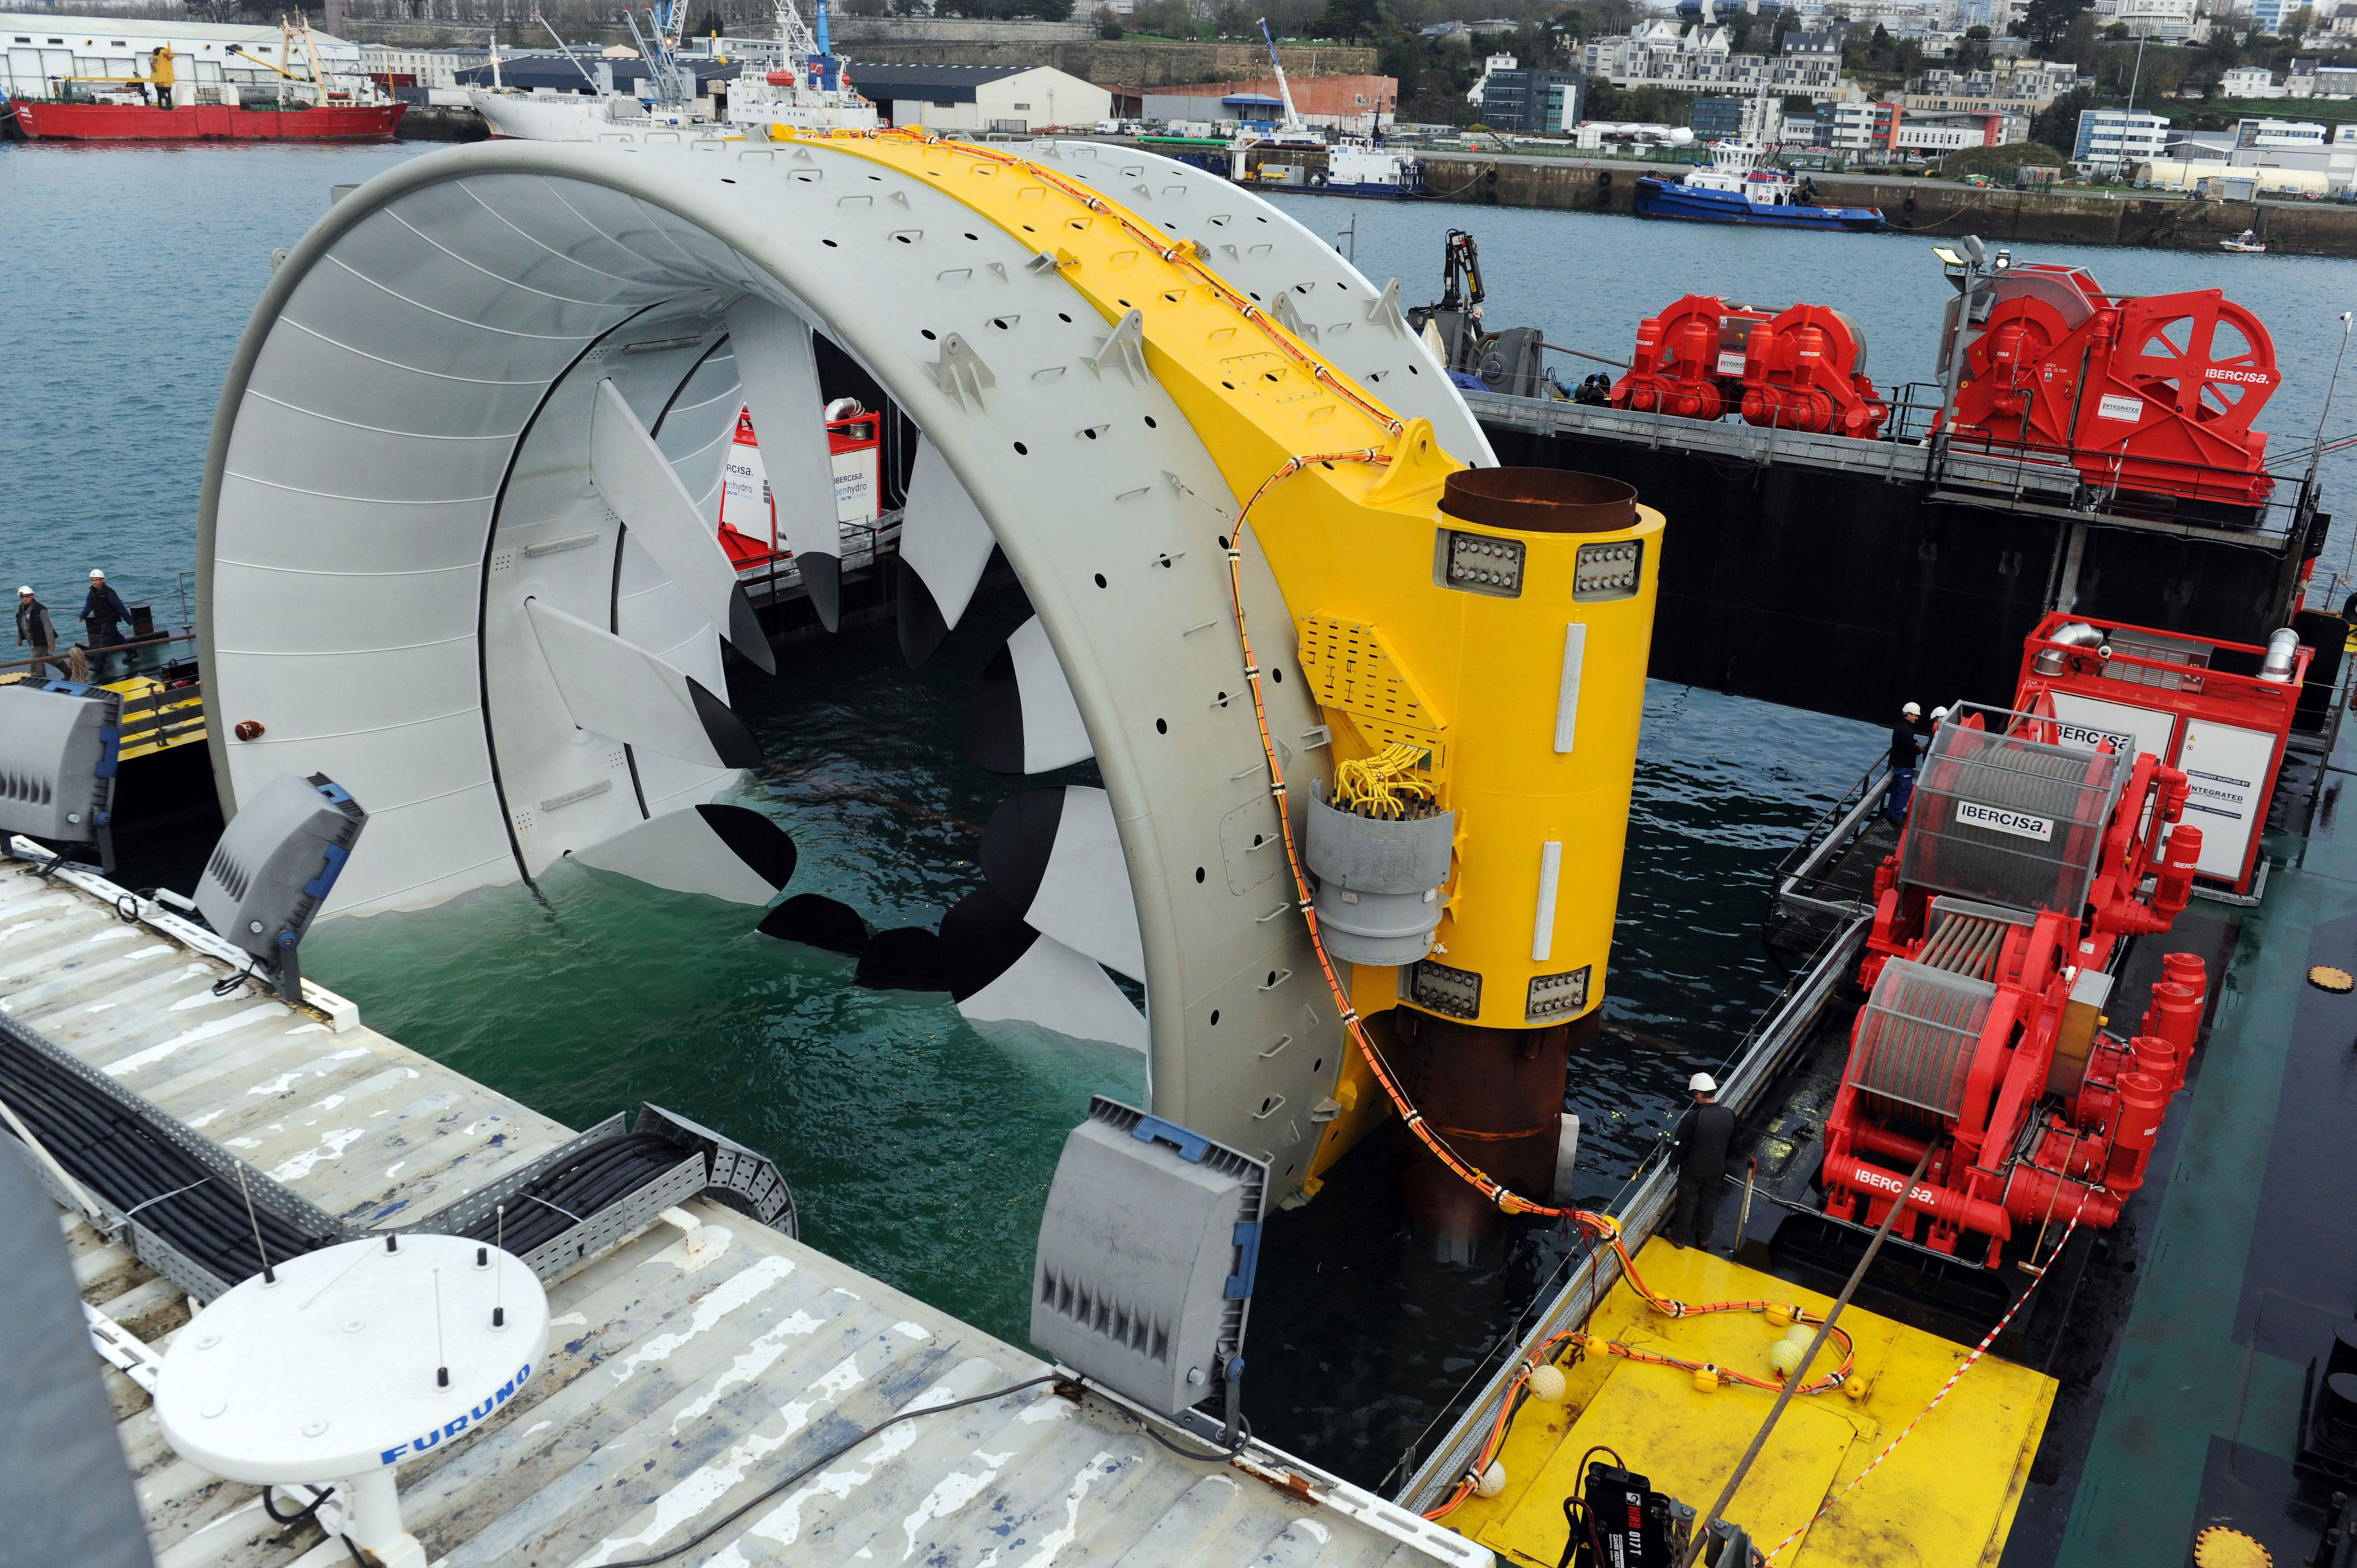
(34, 627)
(103, 613)
(1905, 747)
(1704, 1134)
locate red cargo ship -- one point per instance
(49, 121)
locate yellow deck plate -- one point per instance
(156, 719)
(1944, 1500)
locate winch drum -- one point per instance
(1915, 1041)
(2011, 821)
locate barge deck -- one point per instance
(692, 1366)
(2189, 1346)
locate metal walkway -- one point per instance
(686, 1371)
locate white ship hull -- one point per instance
(574, 117)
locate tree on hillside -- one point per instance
(2079, 44)
(2044, 22)
(1347, 19)
(2056, 124)
(708, 24)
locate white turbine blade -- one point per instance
(615, 688)
(942, 534)
(1021, 716)
(1055, 856)
(639, 482)
(723, 852)
(780, 375)
(1054, 987)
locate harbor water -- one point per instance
(920, 1149)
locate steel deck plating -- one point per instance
(685, 1371)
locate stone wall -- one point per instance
(1934, 210)
(899, 31)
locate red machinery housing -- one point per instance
(1805, 370)
(2182, 700)
(1802, 368)
(1989, 967)
(1689, 359)
(2154, 395)
(749, 513)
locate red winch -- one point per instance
(1802, 368)
(2023, 863)
(1805, 370)
(2154, 395)
(1689, 359)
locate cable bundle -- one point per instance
(561, 1199)
(106, 1148)
(1384, 786)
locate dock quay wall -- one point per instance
(1934, 209)
(1850, 591)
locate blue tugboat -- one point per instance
(1739, 186)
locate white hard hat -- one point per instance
(1939, 713)
(1911, 710)
(1702, 1083)
(25, 590)
(96, 572)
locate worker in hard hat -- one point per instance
(35, 626)
(1906, 745)
(159, 75)
(102, 614)
(1706, 1133)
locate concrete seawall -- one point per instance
(1934, 209)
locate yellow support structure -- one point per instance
(1529, 700)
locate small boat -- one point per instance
(2246, 243)
(1359, 165)
(1739, 185)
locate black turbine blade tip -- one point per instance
(906, 958)
(823, 580)
(815, 920)
(994, 716)
(730, 739)
(982, 939)
(760, 843)
(922, 628)
(1018, 842)
(745, 633)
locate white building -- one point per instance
(45, 46)
(2114, 139)
(980, 97)
(420, 68)
(1661, 53)
(2012, 87)
(2249, 81)
(1936, 135)
(2169, 19)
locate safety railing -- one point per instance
(1808, 874)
